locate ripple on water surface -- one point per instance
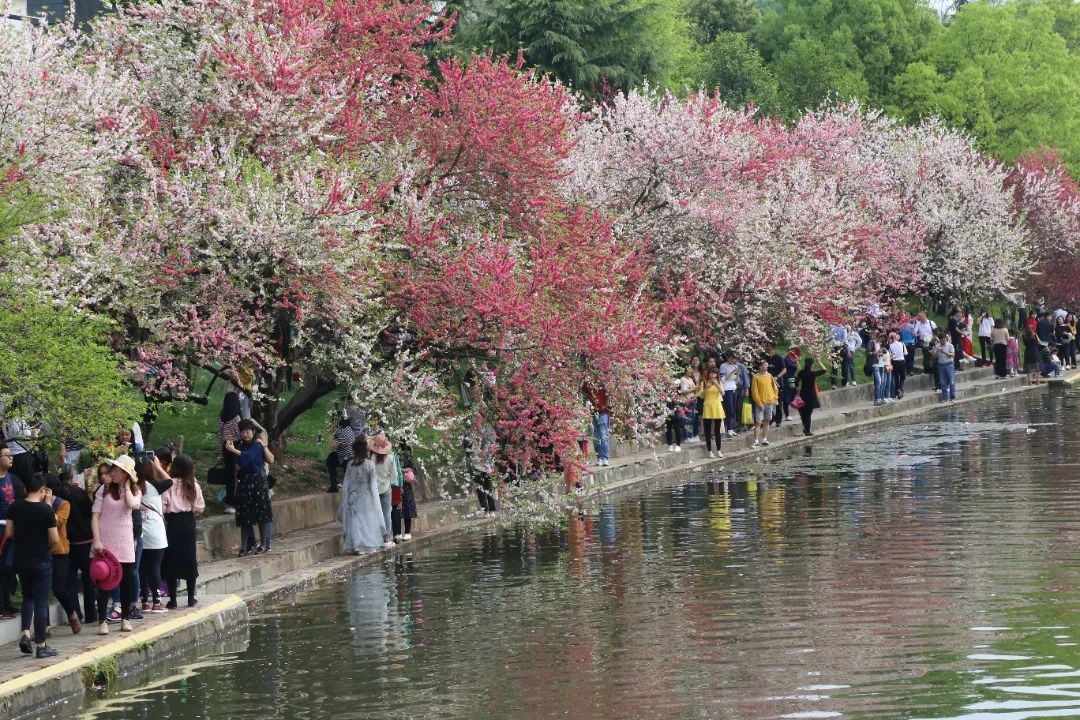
(924, 571)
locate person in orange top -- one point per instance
(54, 496)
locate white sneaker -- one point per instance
(388, 544)
(756, 443)
(230, 510)
(712, 454)
(677, 448)
(605, 462)
(407, 536)
(671, 448)
(397, 537)
(719, 454)
(764, 442)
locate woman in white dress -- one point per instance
(360, 512)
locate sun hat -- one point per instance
(379, 444)
(125, 463)
(105, 570)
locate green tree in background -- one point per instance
(54, 364)
(734, 68)
(591, 44)
(848, 48)
(1010, 74)
(713, 17)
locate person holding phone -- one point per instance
(252, 491)
(711, 392)
(111, 525)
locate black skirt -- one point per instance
(252, 499)
(180, 561)
(408, 501)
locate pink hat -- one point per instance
(379, 444)
(105, 570)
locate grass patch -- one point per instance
(299, 470)
(101, 675)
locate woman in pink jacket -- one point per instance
(113, 530)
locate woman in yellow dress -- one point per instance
(712, 414)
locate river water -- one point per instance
(927, 570)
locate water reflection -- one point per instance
(927, 571)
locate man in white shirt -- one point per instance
(839, 336)
(986, 327)
(852, 342)
(898, 351)
(729, 378)
(924, 337)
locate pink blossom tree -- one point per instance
(756, 228)
(1048, 199)
(304, 191)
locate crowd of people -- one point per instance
(725, 394)
(110, 537)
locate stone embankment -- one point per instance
(308, 545)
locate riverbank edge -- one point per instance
(69, 680)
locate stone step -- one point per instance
(293, 551)
(971, 384)
(839, 398)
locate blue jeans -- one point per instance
(848, 370)
(732, 420)
(36, 582)
(384, 501)
(947, 381)
(880, 384)
(601, 437)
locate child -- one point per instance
(1012, 355)
(1053, 367)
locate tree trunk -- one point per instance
(277, 419)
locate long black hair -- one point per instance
(360, 451)
(230, 407)
(183, 469)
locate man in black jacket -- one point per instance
(11, 491)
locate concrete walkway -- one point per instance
(308, 548)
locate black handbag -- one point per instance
(215, 475)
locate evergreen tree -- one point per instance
(594, 45)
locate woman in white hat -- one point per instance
(387, 475)
(113, 530)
